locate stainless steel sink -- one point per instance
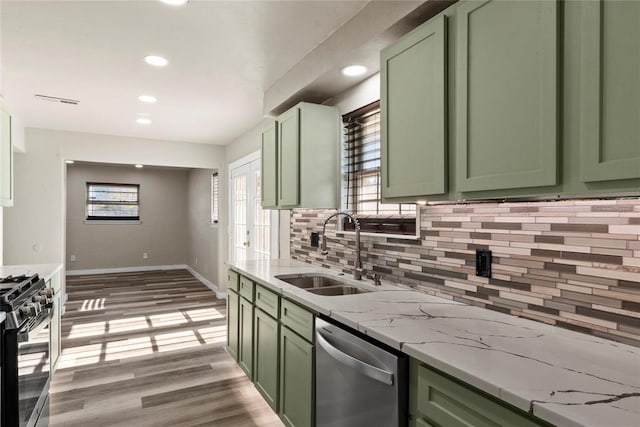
(338, 290)
(321, 285)
(306, 281)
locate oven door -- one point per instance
(33, 363)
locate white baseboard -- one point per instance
(207, 283)
(126, 269)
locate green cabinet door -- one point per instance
(610, 91)
(6, 160)
(413, 105)
(265, 352)
(506, 94)
(289, 158)
(269, 171)
(446, 403)
(296, 380)
(233, 322)
(245, 338)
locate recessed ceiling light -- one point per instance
(147, 98)
(69, 162)
(143, 121)
(156, 61)
(139, 166)
(175, 2)
(354, 70)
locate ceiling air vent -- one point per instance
(57, 99)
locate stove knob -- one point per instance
(47, 292)
(38, 298)
(29, 310)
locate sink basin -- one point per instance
(338, 290)
(321, 285)
(306, 281)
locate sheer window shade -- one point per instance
(214, 197)
(113, 201)
(361, 177)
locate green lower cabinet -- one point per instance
(296, 380)
(265, 351)
(232, 324)
(245, 341)
(439, 401)
(423, 423)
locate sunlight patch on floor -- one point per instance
(79, 356)
(87, 329)
(92, 304)
(128, 324)
(167, 319)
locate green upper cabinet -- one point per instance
(413, 104)
(6, 159)
(289, 158)
(306, 169)
(506, 94)
(610, 91)
(269, 172)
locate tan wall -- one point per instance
(163, 214)
(202, 235)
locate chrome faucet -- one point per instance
(357, 268)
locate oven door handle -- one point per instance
(43, 321)
(363, 368)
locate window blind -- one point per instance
(361, 176)
(113, 201)
(214, 197)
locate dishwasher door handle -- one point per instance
(363, 368)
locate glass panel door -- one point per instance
(252, 227)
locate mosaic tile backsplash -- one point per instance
(573, 264)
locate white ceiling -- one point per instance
(223, 56)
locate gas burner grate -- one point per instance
(13, 287)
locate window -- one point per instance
(214, 198)
(113, 201)
(361, 177)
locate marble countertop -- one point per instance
(45, 271)
(563, 377)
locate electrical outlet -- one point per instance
(196, 261)
(145, 255)
(483, 263)
(73, 258)
(315, 239)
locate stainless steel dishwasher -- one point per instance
(358, 383)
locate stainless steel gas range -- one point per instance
(25, 344)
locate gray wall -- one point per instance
(202, 238)
(163, 213)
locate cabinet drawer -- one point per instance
(233, 280)
(267, 301)
(444, 402)
(246, 288)
(297, 319)
(423, 423)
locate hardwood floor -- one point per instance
(147, 349)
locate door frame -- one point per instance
(275, 217)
